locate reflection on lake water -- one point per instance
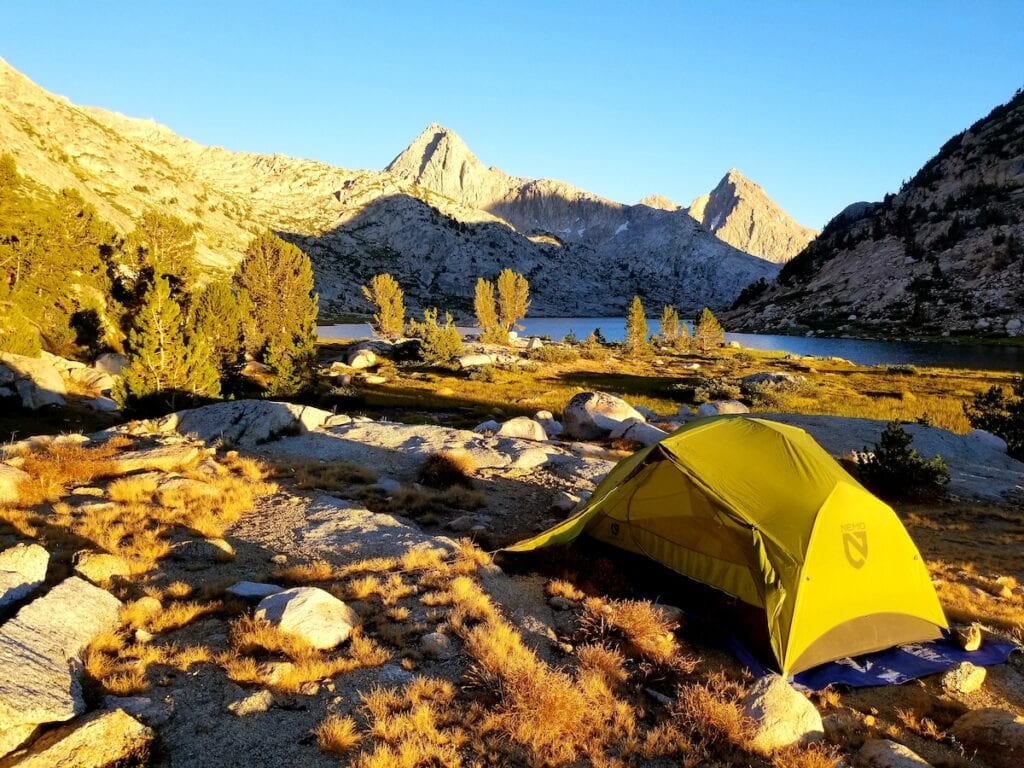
(861, 351)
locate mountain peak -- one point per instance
(740, 212)
(658, 201)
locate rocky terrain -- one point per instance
(943, 256)
(434, 234)
(739, 212)
(330, 612)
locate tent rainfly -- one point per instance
(760, 511)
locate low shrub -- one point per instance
(894, 470)
(551, 354)
(1001, 415)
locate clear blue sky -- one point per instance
(823, 103)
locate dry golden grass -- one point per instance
(253, 638)
(179, 614)
(315, 572)
(133, 490)
(337, 735)
(813, 756)
(561, 588)
(54, 468)
(710, 711)
(446, 469)
(639, 627)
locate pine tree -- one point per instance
(487, 313)
(386, 295)
(164, 365)
(636, 328)
(162, 245)
(513, 298)
(279, 309)
(668, 326)
(709, 333)
(217, 319)
(683, 340)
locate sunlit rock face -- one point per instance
(739, 212)
(942, 256)
(436, 218)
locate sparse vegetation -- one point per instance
(894, 470)
(1001, 415)
(441, 343)
(491, 331)
(386, 295)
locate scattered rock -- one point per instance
(437, 645)
(523, 428)
(995, 734)
(37, 381)
(38, 685)
(386, 484)
(638, 432)
(488, 427)
(338, 420)
(100, 567)
(93, 379)
(246, 423)
(465, 523)
(964, 678)
(719, 407)
(969, 637)
(260, 701)
(564, 502)
(312, 614)
(10, 479)
(203, 551)
(163, 458)
(252, 590)
(142, 708)
(882, 753)
(529, 458)
(110, 363)
(751, 383)
(362, 358)
(374, 379)
(22, 571)
(560, 603)
(98, 740)
(592, 415)
(392, 674)
(475, 361)
(781, 716)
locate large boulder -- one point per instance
(246, 423)
(638, 432)
(988, 439)
(719, 407)
(882, 753)
(98, 740)
(996, 735)
(37, 381)
(524, 428)
(10, 479)
(22, 571)
(781, 716)
(475, 361)
(593, 415)
(315, 616)
(38, 684)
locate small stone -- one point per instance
(142, 636)
(781, 716)
(10, 479)
(964, 678)
(437, 645)
(251, 590)
(88, 490)
(968, 638)
(560, 603)
(203, 551)
(312, 614)
(529, 459)
(100, 567)
(260, 701)
(564, 502)
(279, 559)
(392, 674)
(523, 428)
(882, 753)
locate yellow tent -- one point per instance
(760, 511)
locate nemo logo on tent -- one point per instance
(855, 544)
